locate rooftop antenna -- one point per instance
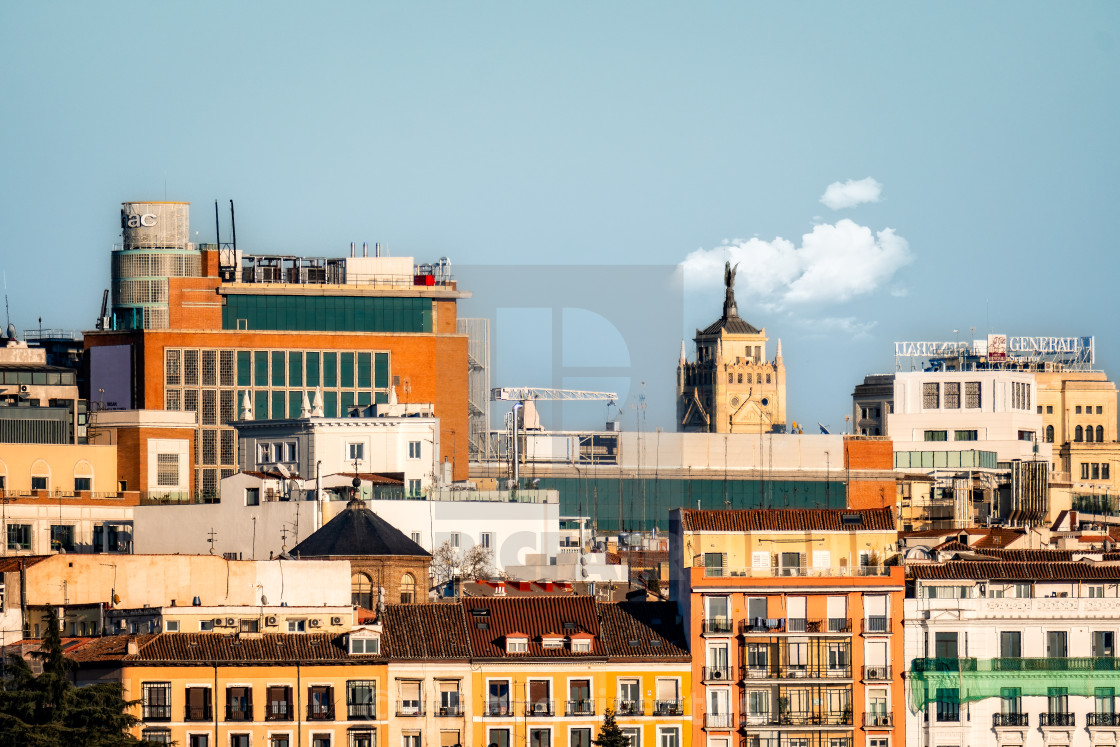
(213, 535)
(7, 314)
(233, 226)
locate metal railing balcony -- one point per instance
(235, 713)
(540, 709)
(1010, 719)
(878, 720)
(499, 708)
(1057, 719)
(718, 720)
(361, 711)
(449, 710)
(323, 712)
(876, 624)
(580, 708)
(1102, 719)
(757, 672)
(410, 708)
(156, 712)
(278, 711)
(668, 707)
(1057, 664)
(877, 672)
(628, 708)
(717, 625)
(762, 625)
(718, 674)
(198, 713)
(819, 625)
(944, 664)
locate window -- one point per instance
(669, 736)
(1089, 434)
(1100, 433)
(156, 701)
(1100, 410)
(278, 703)
(1049, 409)
(952, 395)
(629, 697)
(1056, 644)
(320, 740)
(1084, 470)
(81, 483)
(38, 483)
(499, 738)
(948, 704)
(540, 738)
(252, 496)
(580, 738)
(964, 435)
(1096, 471)
(1104, 471)
(1049, 434)
(361, 738)
(449, 738)
(1096, 591)
(320, 703)
(298, 625)
(581, 645)
(239, 704)
(497, 701)
(579, 698)
(456, 540)
(167, 470)
(62, 537)
(205, 625)
(713, 564)
(1057, 700)
(1077, 409)
(1104, 700)
(449, 698)
(972, 394)
(936, 436)
(1022, 590)
(414, 449)
(931, 398)
(1011, 701)
(250, 625)
(1079, 433)
(171, 626)
(415, 536)
(516, 645)
(945, 645)
(238, 740)
(414, 489)
(408, 589)
(361, 591)
(1102, 642)
(355, 451)
(1010, 644)
(156, 736)
(201, 740)
(1026, 435)
(410, 739)
(367, 645)
(19, 536)
(486, 540)
(289, 451)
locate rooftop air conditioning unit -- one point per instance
(230, 622)
(874, 673)
(270, 621)
(313, 622)
(336, 621)
(217, 622)
(23, 389)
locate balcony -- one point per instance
(1010, 719)
(717, 626)
(157, 713)
(877, 673)
(1056, 719)
(410, 708)
(792, 571)
(718, 674)
(540, 709)
(809, 718)
(876, 625)
(580, 708)
(279, 710)
(498, 709)
(718, 721)
(450, 710)
(1057, 664)
(628, 708)
(198, 713)
(945, 664)
(819, 625)
(1102, 719)
(321, 712)
(361, 711)
(762, 625)
(668, 708)
(239, 713)
(760, 672)
(878, 720)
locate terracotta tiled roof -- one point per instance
(373, 478)
(533, 615)
(1046, 555)
(208, 647)
(11, 564)
(629, 629)
(424, 631)
(999, 538)
(983, 570)
(786, 520)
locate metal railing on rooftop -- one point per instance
(793, 571)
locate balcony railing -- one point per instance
(1010, 719)
(876, 624)
(717, 625)
(540, 709)
(668, 708)
(450, 710)
(762, 625)
(628, 707)
(410, 708)
(819, 625)
(1102, 719)
(1057, 664)
(718, 720)
(279, 710)
(580, 708)
(807, 718)
(793, 570)
(1057, 719)
(718, 674)
(795, 672)
(198, 713)
(157, 713)
(498, 708)
(237, 713)
(944, 664)
(877, 673)
(878, 720)
(322, 712)
(361, 711)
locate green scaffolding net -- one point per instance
(950, 682)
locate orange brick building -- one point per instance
(208, 329)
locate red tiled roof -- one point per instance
(372, 477)
(536, 616)
(1044, 555)
(786, 520)
(629, 629)
(12, 563)
(999, 538)
(173, 648)
(984, 570)
(424, 631)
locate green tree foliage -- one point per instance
(609, 733)
(49, 710)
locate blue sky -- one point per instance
(597, 133)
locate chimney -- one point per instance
(352, 247)
(365, 248)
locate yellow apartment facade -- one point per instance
(794, 623)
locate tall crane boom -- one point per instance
(521, 394)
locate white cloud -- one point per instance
(846, 325)
(840, 195)
(835, 262)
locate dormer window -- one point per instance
(552, 641)
(517, 643)
(365, 645)
(581, 643)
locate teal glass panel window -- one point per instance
(364, 398)
(312, 369)
(295, 368)
(244, 368)
(260, 368)
(381, 370)
(330, 404)
(260, 405)
(346, 370)
(278, 406)
(381, 397)
(328, 313)
(347, 403)
(330, 369)
(278, 368)
(365, 370)
(295, 403)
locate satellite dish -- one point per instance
(283, 470)
(264, 599)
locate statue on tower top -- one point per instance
(730, 308)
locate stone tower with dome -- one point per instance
(732, 386)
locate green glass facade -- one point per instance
(327, 313)
(646, 502)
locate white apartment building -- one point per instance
(1011, 652)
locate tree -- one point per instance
(445, 562)
(609, 733)
(49, 710)
(478, 562)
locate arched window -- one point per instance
(40, 475)
(1089, 433)
(740, 378)
(1049, 434)
(1078, 434)
(361, 590)
(83, 476)
(1100, 433)
(408, 589)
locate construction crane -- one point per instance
(524, 393)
